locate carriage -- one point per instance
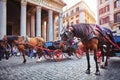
(52, 50)
(117, 40)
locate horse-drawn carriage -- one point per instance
(92, 36)
(50, 49)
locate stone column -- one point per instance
(38, 21)
(60, 25)
(54, 27)
(28, 25)
(111, 11)
(44, 25)
(33, 25)
(23, 18)
(50, 26)
(3, 18)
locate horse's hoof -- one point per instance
(39, 60)
(97, 73)
(24, 61)
(102, 66)
(87, 72)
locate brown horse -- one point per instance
(93, 37)
(88, 37)
(23, 42)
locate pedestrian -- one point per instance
(35, 53)
(14, 51)
(7, 50)
(31, 52)
(1, 50)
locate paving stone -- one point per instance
(67, 69)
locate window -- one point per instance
(72, 18)
(118, 3)
(104, 20)
(72, 12)
(63, 16)
(56, 29)
(77, 21)
(77, 16)
(77, 9)
(118, 17)
(71, 23)
(66, 14)
(107, 8)
(100, 1)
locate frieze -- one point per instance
(36, 2)
(50, 5)
(4, 0)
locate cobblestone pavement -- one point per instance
(67, 69)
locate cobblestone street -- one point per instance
(67, 69)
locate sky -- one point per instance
(90, 3)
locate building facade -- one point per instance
(78, 13)
(30, 17)
(109, 14)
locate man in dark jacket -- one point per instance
(1, 49)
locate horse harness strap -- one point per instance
(90, 36)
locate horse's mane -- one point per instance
(83, 30)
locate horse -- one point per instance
(23, 43)
(93, 37)
(89, 39)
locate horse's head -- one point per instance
(67, 34)
(66, 38)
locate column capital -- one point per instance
(50, 11)
(24, 2)
(60, 15)
(38, 7)
(3, 0)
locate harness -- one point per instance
(85, 32)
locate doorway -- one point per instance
(9, 29)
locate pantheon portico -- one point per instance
(31, 18)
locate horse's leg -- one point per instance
(40, 53)
(23, 54)
(88, 62)
(106, 62)
(95, 58)
(103, 55)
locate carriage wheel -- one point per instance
(58, 56)
(79, 53)
(47, 55)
